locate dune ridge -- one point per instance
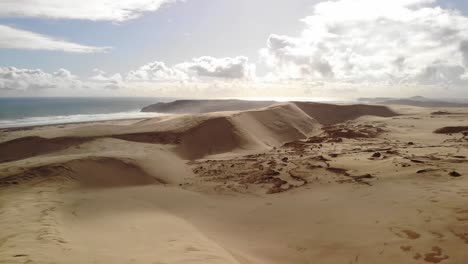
(248, 130)
(328, 114)
(197, 136)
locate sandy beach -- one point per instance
(290, 182)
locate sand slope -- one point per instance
(31, 146)
(332, 114)
(249, 130)
(89, 172)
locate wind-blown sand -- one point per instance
(287, 183)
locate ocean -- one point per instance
(20, 112)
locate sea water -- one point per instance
(20, 112)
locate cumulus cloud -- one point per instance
(236, 68)
(157, 72)
(108, 10)
(184, 74)
(383, 42)
(12, 38)
(12, 78)
(225, 68)
(108, 81)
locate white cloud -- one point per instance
(378, 42)
(157, 72)
(12, 78)
(225, 68)
(109, 10)
(464, 52)
(108, 81)
(183, 75)
(12, 38)
(199, 69)
(21, 80)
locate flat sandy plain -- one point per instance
(290, 183)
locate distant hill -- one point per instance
(413, 101)
(419, 98)
(423, 103)
(205, 106)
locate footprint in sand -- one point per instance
(406, 248)
(438, 235)
(191, 249)
(435, 256)
(462, 215)
(20, 255)
(417, 256)
(299, 249)
(405, 233)
(460, 233)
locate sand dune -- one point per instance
(207, 134)
(98, 172)
(32, 146)
(287, 183)
(332, 114)
(249, 130)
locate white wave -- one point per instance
(66, 119)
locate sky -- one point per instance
(234, 49)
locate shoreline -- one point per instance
(31, 127)
(60, 120)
